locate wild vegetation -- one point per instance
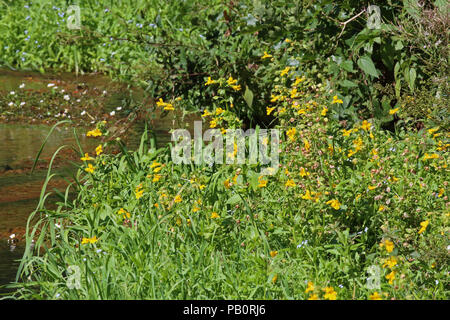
(361, 191)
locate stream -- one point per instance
(21, 139)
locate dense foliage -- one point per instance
(349, 197)
(168, 47)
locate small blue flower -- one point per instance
(26, 31)
(28, 18)
(26, 6)
(152, 25)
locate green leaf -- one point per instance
(366, 64)
(412, 78)
(248, 96)
(348, 84)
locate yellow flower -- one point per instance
(366, 125)
(219, 111)
(310, 287)
(156, 178)
(391, 277)
(297, 81)
(213, 123)
(433, 156)
(139, 194)
(346, 133)
(94, 133)
(389, 245)
(313, 297)
(231, 81)
(291, 133)
(372, 187)
(381, 208)
(261, 182)
(290, 183)
(157, 169)
(177, 198)
(214, 215)
(431, 131)
(89, 240)
(307, 196)
(303, 172)
(210, 81)
(206, 113)
(390, 262)
(266, 55)
(169, 107)
(273, 253)
(124, 213)
(274, 279)
(285, 71)
(334, 204)
(306, 143)
(86, 157)
(227, 183)
(237, 87)
(99, 150)
(375, 296)
(269, 110)
(324, 111)
(441, 192)
(155, 164)
(424, 225)
(293, 93)
(90, 168)
(393, 111)
(336, 100)
(287, 40)
(330, 294)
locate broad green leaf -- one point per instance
(366, 64)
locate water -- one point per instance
(20, 143)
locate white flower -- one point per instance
(119, 108)
(62, 90)
(12, 93)
(67, 97)
(303, 243)
(83, 112)
(112, 113)
(41, 101)
(12, 236)
(11, 104)
(22, 103)
(104, 92)
(50, 85)
(22, 86)
(57, 225)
